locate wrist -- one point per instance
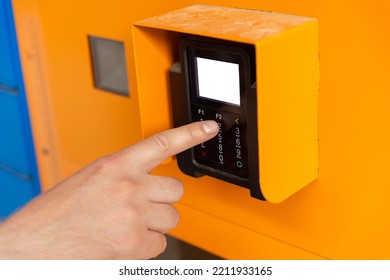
(8, 243)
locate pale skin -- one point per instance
(111, 209)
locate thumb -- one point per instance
(150, 152)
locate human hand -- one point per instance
(111, 209)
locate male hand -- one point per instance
(111, 209)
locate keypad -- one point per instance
(228, 150)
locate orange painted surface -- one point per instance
(341, 215)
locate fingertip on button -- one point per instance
(210, 127)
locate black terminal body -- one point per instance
(216, 80)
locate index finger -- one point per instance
(150, 152)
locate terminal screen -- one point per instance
(218, 80)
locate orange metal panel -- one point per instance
(342, 215)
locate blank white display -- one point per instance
(219, 80)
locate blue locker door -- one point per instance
(15, 191)
(7, 73)
(18, 171)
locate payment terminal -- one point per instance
(216, 80)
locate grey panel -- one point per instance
(109, 65)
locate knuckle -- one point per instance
(166, 218)
(171, 217)
(176, 187)
(161, 142)
(156, 247)
(105, 163)
(175, 217)
(195, 132)
(159, 246)
(163, 244)
(191, 133)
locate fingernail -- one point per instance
(210, 127)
